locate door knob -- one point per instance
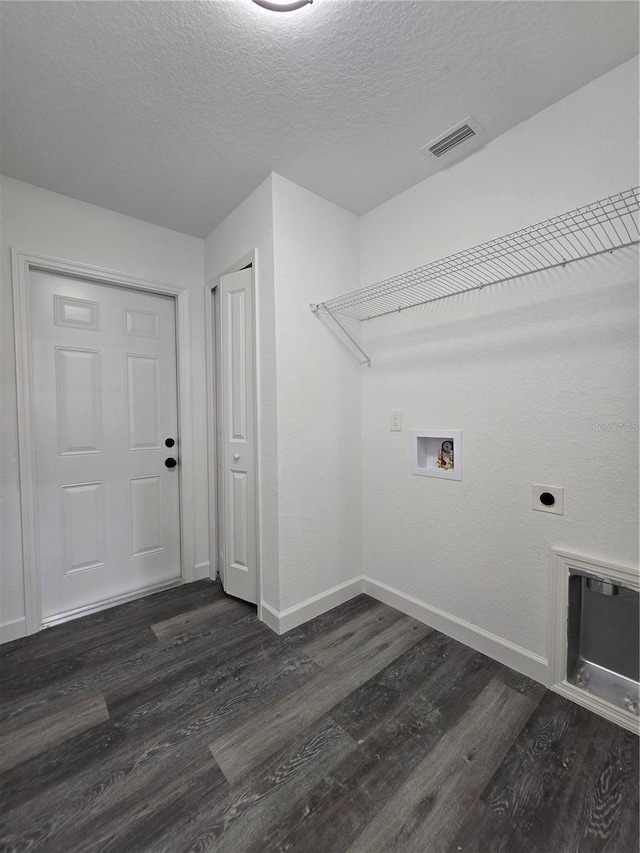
(236, 456)
(170, 462)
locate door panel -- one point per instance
(83, 532)
(75, 313)
(237, 363)
(146, 515)
(238, 500)
(78, 401)
(143, 402)
(105, 389)
(238, 550)
(142, 324)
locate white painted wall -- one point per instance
(250, 227)
(580, 149)
(318, 386)
(38, 221)
(524, 369)
(308, 390)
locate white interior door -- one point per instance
(105, 405)
(236, 425)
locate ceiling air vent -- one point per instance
(465, 130)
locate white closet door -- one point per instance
(237, 416)
(104, 365)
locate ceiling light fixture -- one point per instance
(286, 6)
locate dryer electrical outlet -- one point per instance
(548, 499)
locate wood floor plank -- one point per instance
(219, 697)
(520, 683)
(124, 670)
(177, 715)
(485, 831)
(232, 635)
(164, 678)
(329, 621)
(250, 744)
(453, 688)
(427, 811)
(152, 829)
(188, 671)
(411, 673)
(102, 807)
(324, 820)
(391, 719)
(22, 744)
(236, 821)
(527, 787)
(117, 817)
(337, 810)
(184, 623)
(360, 730)
(333, 649)
(599, 808)
(141, 732)
(99, 630)
(70, 764)
(55, 686)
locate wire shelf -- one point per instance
(594, 229)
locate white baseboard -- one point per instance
(503, 651)
(284, 621)
(507, 653)
(201, 571)
(269, 616)
(13, 630)
(598, 706)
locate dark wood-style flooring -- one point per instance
(180, 723)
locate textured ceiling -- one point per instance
(173, 112)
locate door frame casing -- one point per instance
(250, 259)
(22, 264)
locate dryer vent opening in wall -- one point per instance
(594, 636)
(603, 639)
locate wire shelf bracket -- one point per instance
(341, 332)
(594, 229)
